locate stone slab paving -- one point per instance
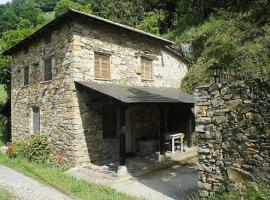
(26, 188)
(174, 182)
(177, 182)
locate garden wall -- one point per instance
(232, 122)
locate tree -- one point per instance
(8, 19)
(129, 12)
(151, 22)
(63, 5)
(30, 12)
(46, 5)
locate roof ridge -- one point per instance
(73, 11)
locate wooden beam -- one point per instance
(122, 136)
(162, 121)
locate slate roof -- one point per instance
(134, 94)
(74, 13)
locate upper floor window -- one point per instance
(102, 66)
(47, 69)
(26, 75)
(25, 50)
(146, 68)
(47, 39)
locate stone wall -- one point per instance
(55, 98)
(74, 129)
(125, 51)
(233, 124)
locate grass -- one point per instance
(71, 186)
(259, 192)
(6, 195)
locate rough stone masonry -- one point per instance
(233, 124)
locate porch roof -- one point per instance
(135, 94)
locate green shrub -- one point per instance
(260, 191)
(36, 149)
(16, 150)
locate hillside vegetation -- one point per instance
(234, 33)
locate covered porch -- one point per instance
(127, 121)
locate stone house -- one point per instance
(97, 89)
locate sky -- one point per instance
(4, 1)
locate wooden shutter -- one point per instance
(36, 120)
(102, 66)
(109, 122)
(26, 75)
(146, 68)
(48, 69)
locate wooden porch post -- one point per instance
(122, 169)
(162, 121)
(122, 136)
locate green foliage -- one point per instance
(129, 12)
(230, 40)
(8, 19)
(3, 130)
(36, 149)
(55, 177)
(151, 22)
(64, 5)
(12, 37)
(46, 5)
(260, 191)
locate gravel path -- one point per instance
(26, 188)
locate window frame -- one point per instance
(44, 69)
(100, 55)
(28, 75)
(142, 68)
(33, 132)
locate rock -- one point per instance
(219, 120)
(201, 150)
(233, 103)
(216, 102)
(239, 175)
(3, 149)
(206, 186)
(250, 116)
(203, 120)
(201, 111)
(221, 112)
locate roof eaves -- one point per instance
(178, 54)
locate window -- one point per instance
(109, 122)
(48, 39)
(48, 69)
(26, 75)
(25, 50)
(36, 120)
(146, 68)
(102, 66)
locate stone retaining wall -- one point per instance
(232, 122)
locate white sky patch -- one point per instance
(4, 1)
